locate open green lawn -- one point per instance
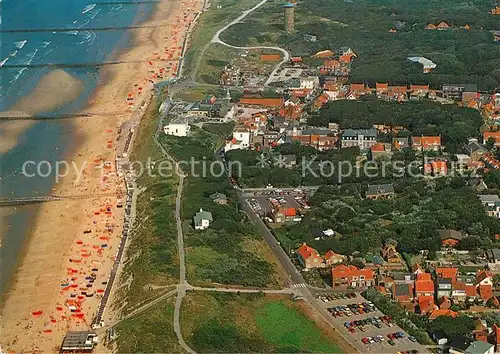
(461, 56)
(221, 322)
(149, 332)
(152, 259)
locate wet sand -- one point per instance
(73, 243)
(54, 90)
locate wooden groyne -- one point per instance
(17, 201)
(62, 116)
(81, 65)
(75, 30)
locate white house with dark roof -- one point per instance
(202, 220)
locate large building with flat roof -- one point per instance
(79, 342)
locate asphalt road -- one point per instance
(292, 272)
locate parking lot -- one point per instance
(264, 203)
(369, 327)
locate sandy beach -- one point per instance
(70, 253)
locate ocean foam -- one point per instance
(20, 44)
(88, 8)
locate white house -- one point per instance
(202, 220)
(241, 139)
(178, 127)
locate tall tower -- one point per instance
(289, 16)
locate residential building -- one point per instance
(202, 220)
(403, 278)
(390, 254)
(177, 127)
(349, 276)
(426, 143)
(444, 287)
(362, 138)
(456, 91)
(494, 135)
(439, 337)
(380, 191)
(458, 293)
(443, 26)
(436, 168)
(281, 215)
(402, 293)
(444, 303)
(424, 286)
(242, 139)
(445, 312)
(400, 143)
(381, 151)
(309, 258)
(450, 238)
(381, 88)
(458, 345)
(491, 202)
(287, 161)
(426, 304)
(475, 150)
(479, 347)
(484, 277)
(447, 273)
(332, 258)
(219, 198)
(493, 255)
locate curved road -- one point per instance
(216, 39)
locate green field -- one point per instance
(461, 56)
(218, 254)
(152, 262)
(149, 332)
(250, 323)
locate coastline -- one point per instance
(36, 286)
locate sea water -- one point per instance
(26, 40)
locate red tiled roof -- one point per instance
(270, 57)
(486, 292)
(379, 147)
(483, 274)
(443, 25)
(357, 87)
(447, 273)
(494, 135)
(398, 89)
(329, 254)
(426, 286)
(419, 87)
(296, 59)
(289, 212)
(426, 141)
(470, 290)
(437, 313)
(496, 330)
(306, 252)
(424, 276)
(269, 102)
(426, 304)
(381, 86)
(349, 271)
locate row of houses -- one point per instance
(434, 294)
